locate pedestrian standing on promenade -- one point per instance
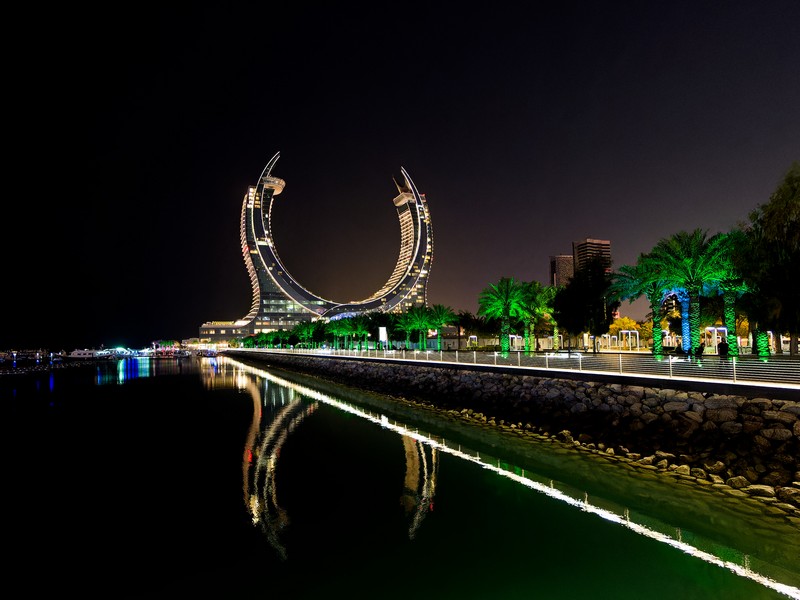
(700, 349)
(723, 348)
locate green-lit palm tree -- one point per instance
(360, 325)
(283, 336)
(261, 339)
(347, 332)
(421, 319)
(441, 316)
(732, 286)
(336, 330)
(643, 279)
(504, 300)
(538, 305)
(405, 323)
(688, 262)
(305, 331)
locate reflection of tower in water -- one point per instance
(261, 461)
(265, 437)
(419, 485)
(279, 406)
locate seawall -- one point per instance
(747, 439)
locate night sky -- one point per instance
(134, 136)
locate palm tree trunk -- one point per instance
(686, 326)
(505, 330)
(730, 322)
(694, 318)
(528, 326)
(555, 337)
(761, 343)
(658, 342)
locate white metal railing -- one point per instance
(781, 371)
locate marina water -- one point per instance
(209, 477)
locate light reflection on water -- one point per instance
(290, 406)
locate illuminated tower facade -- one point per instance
(281, 302)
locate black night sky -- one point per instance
(134, 136)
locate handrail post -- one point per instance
(620, 362)
(474, 357)
(734, 369)
(519, 359)
(670, 366)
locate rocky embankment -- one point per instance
(747, 445)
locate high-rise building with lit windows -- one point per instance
(281, 302)
(584, 250)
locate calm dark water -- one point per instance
(210, 478)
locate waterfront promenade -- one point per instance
(779, 375)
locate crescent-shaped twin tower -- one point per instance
(281, 302)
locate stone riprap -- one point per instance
(749, 444)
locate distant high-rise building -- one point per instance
(584, 250)
(562, 268)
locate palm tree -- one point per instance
(732, 286)
(421, 319)
(336, 329)
(441, 316)
(405, 324)
(360, 329)
(504, 300)
(690, 262)
(305, 331)
(538, 305)
(643, 279)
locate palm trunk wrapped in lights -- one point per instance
(694, 319)
(658, 341)
(761, 342)
(505, 331)
(686, 326)
(728, 298)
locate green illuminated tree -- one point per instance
(420, 317)
(360, 330)
(305, 331)
(643, 279)
(405, 323)
(688, 262)
(538, 306)
(441, 316)
(337, 330)
(504, 300)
